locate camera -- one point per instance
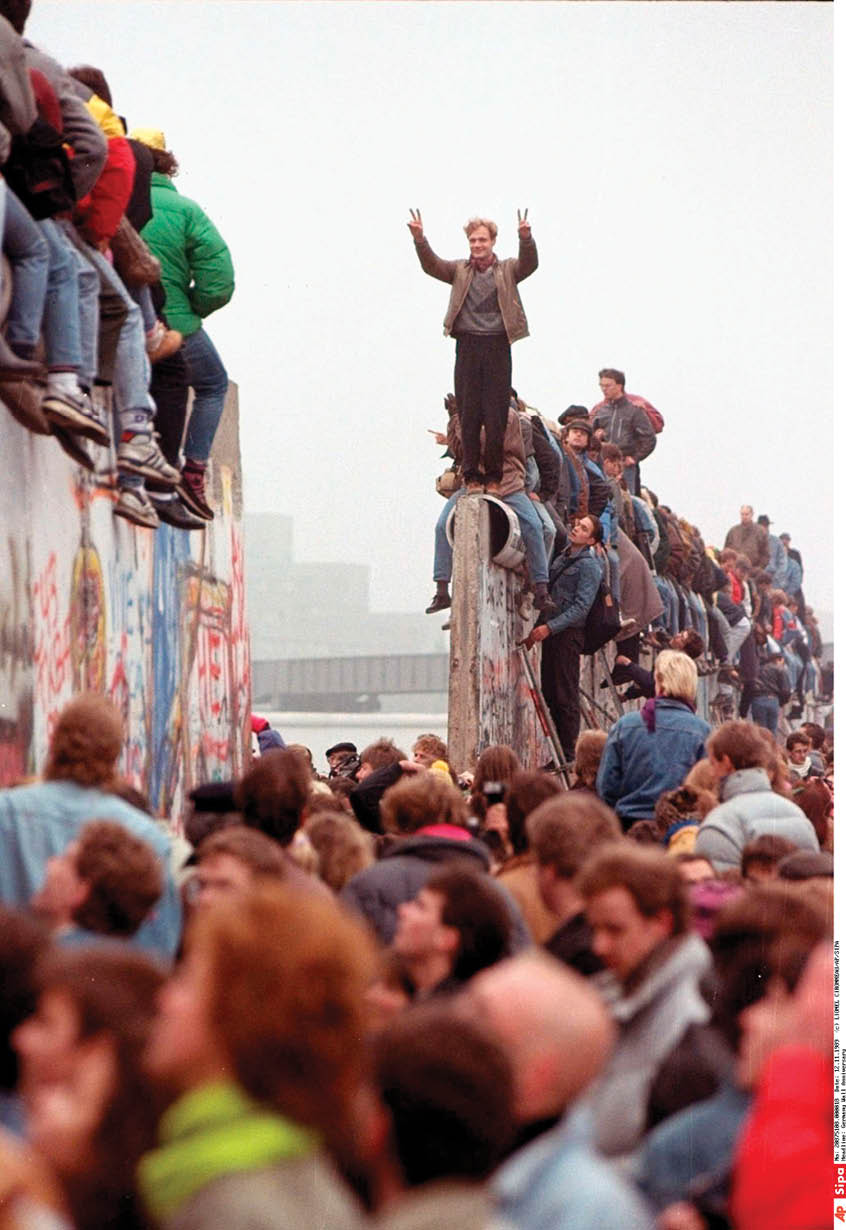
(494, 792)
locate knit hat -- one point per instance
(154, 137)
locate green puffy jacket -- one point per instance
(197, 272)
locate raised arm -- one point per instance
(527, 259)
(444, 271)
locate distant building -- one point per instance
(313, 610)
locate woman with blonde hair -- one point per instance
(651, 750)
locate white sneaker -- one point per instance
(141, 455)
(75, 412)
(133, 503)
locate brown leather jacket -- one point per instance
(507, 274)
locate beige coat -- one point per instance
(518, 875)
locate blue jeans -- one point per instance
(547, 527)
(29, 258)
(764, 710)
(207, 376)
(88, 298)
(697, 607)
(632, 476)
(62, 314)
(665, 589)
(144, 299)
(530, 529)
(131, 371)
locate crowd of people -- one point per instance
(113, 275)
(409, 993)
(590, 526)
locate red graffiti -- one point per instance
(52, 643)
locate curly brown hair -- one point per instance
(86, 742)
(124, 878)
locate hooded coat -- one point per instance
(749, 809)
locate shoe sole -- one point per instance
(67, 441)
(74, 420)
(162, 513)
(135, 518)
(131, 467)
(198, 509)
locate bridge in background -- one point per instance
(346, 685)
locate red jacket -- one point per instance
(783, 1170)
(98, 214)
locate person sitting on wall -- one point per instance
(642, 681)
(511, 490)
(575, 575)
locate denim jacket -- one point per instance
(41, 820)
(573, 583)
(637, 766)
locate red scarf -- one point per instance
(482, 263)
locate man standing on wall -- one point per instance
(619, 421)
(484, 316)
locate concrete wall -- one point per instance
(489, 697)
(155, 619)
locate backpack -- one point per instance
(38, 171)
(655, 417)
(602, 622)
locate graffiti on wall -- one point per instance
(15, 661)
(90, 603)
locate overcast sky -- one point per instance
(675, 160)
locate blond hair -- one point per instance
(676, 675)
(477, 222)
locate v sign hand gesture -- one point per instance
(524, 228)
(415, 225)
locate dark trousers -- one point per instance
(483, 394)
(560, 666)
(169, 390)
(748, 667)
